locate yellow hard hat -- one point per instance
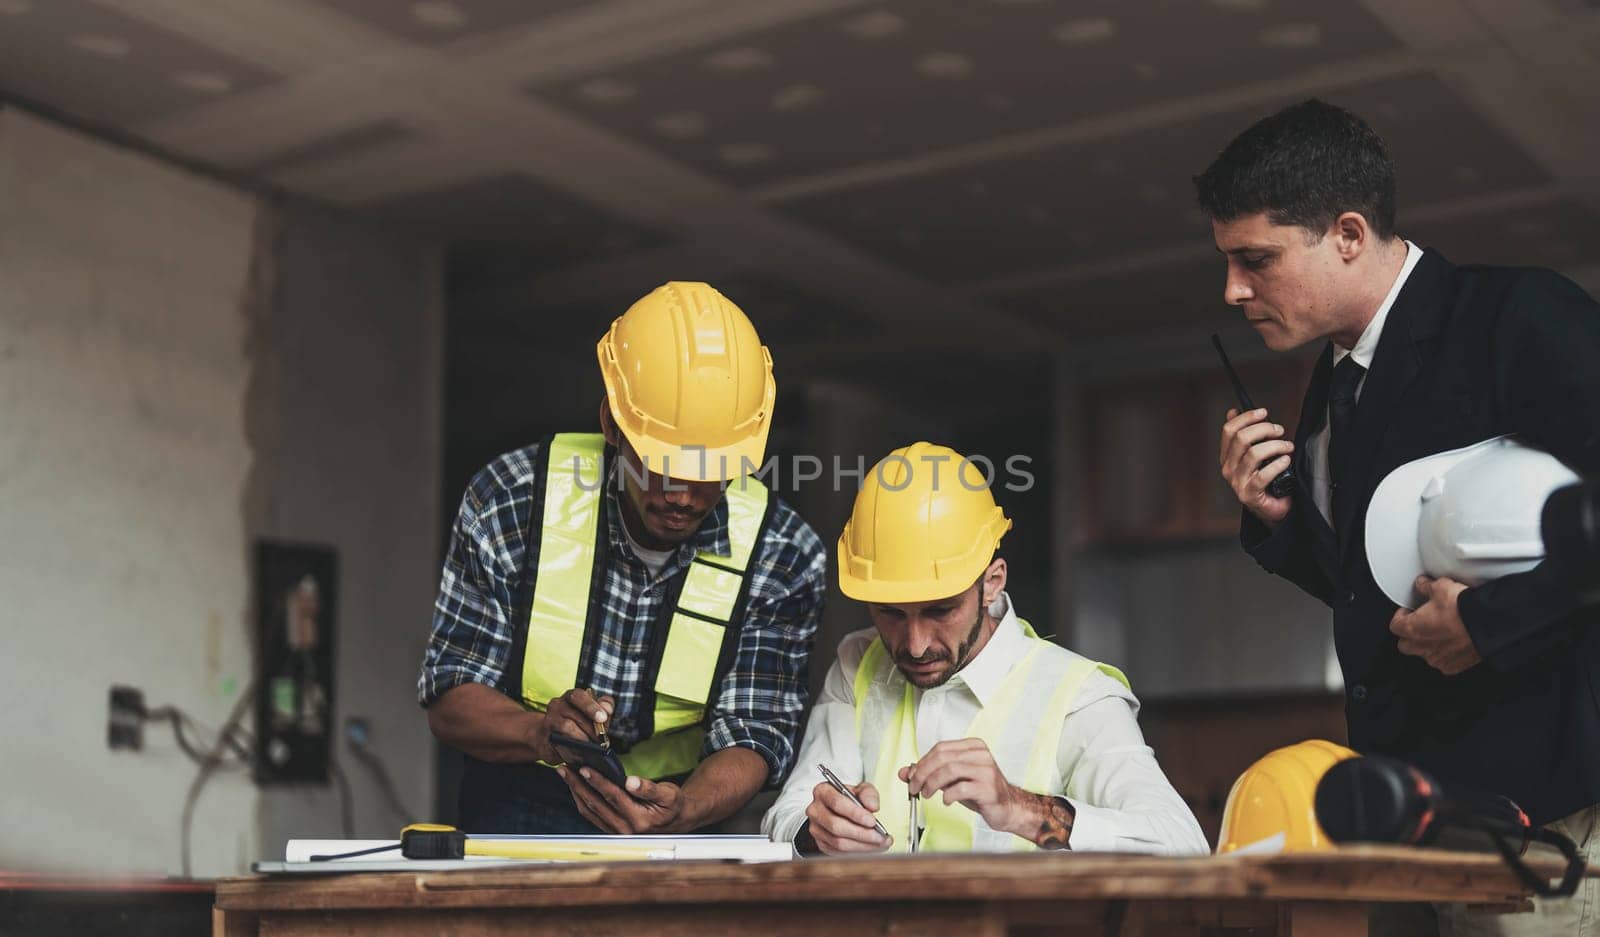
(1276, 797)
(689, 383)
(924, 527)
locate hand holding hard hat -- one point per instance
(1470, 514)
(1435, 631)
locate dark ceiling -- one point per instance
(852, 168)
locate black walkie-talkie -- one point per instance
(1283, 485)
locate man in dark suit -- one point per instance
(1496, 686)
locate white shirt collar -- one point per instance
(985, 673)
(1367, 344)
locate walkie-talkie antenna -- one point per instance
(1245, 403)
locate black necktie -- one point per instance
(1342, 388)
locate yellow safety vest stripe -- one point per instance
(567, 533)
(698, 627)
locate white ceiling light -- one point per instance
(607, 91)
(945, 66)
(1086, 31)
(796, 97)
(744, 154)
(1292, 36)
(439, 14)
(877, 25)
(743, 59)
(203, 82)
(681, 125)
(15, 7)
(101, 44)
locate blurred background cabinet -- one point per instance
(1151, 460)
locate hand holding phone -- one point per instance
(582, 752)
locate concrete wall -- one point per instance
(345, 425)
(183, 368)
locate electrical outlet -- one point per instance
(126, 729)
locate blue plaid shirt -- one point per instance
(760, 701)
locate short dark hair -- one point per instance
(1305, 165)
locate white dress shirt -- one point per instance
(1123, 801)
(1366, 347)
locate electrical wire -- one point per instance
(209, 764)
(347, 820)
(183, 724)
(232, 750)
(386, 787)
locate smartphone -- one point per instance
(589, 755)
(1283, 485)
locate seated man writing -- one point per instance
(1007, 741)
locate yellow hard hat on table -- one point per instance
(924, 527)
(689, 383)
(1276, 797)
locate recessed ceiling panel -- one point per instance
(1084, 203)
(98, 65)
(891, 80)
(440, 21)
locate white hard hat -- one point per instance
(1471, 514)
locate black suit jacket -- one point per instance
(1467, 353)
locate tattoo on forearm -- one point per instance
(1055, 828)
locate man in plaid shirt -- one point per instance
(677, 546)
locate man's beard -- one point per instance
(963, 652)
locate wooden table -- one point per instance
(1024, 895)
(67, 906)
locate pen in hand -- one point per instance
(912, 833)
(838, 785)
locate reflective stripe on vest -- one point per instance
(559, 611)
(1023, 736)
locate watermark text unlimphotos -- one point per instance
(894, 473)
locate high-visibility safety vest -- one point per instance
(1021, 726)
(566, 578)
